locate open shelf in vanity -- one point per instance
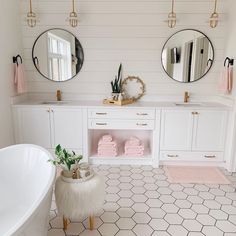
(146, 137)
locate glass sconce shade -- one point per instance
(172, 20)
(31, 19)
(214, 19)
(73, 19)
(31, 16)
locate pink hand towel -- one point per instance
(112, 143)
(138, 147)
(107, 154)
(230, 79)
(133, 141)
(19, 79)
(130, 143)
(107, 149)
(141, 149)
(226, 80)
(107, 138)
(134, 154)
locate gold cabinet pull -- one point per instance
(195, 113)
(141, 114)
(101, 113)
(101, 124)
(210, 156)
(172, 155)
(141, 124)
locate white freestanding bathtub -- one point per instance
(26, 183)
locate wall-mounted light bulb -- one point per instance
(31, 17)
(172, 17)
(214, 19)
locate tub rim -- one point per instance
(30, 212)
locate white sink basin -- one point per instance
(54, 102)
(188, 104)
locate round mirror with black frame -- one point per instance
(57, 55)
(187, 56)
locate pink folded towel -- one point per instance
(133, 141)
(134, 149)
(134, 154)
(19, 78)
(107, 138)
(107, 154)
(103, 143)
(128, 145)
(105, 149)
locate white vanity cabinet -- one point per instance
(169, 134)
(176, 130)
(32, 125)
(67, 127)
(209, 130)
(195, 135)
(49, 126)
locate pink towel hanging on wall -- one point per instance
(226, 80)
(19, 75)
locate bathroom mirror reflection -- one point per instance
(187, 56)
(57, 55)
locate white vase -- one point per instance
(115, 96)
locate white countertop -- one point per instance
(96, 104)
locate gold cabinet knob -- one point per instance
(101, 113)
(172, 155)
(101, 124)
(210, 156)
(142, 114)
(141, 124)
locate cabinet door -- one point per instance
(67, 127)
(176, 130)
(35, 126)
(209, 130)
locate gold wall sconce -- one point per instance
(31, 16)
(214, 18)
(172, 17)
(73, 17)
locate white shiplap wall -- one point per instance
(128, 31)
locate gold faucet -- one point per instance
(186, 97)
(58, 95)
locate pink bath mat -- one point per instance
(195, 174)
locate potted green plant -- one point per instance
(116, 85)
(66, 160)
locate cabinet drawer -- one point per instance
(190, 156)
(122, 113)
(121, 124)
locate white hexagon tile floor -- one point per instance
(141, 202)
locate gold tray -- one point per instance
(118, 103)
